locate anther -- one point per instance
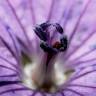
(44, 25)
(41, 34)
(59, 28)
(64, 43)
(48, 48)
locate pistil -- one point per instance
(46, 73)
(49, 72)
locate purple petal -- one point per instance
(79, 27)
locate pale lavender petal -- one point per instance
(10, 55)
(15, 90)
(84, 82)
(9, 69)
(9, 40)
(84, 38)
(17, 23)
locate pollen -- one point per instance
(57, 45)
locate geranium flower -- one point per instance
(47, 48)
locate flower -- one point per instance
(47, 48)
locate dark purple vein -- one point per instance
(82, 44)
(18, 20)
(51, 10)
(10, 50)
(14, 89)
(81, 75)
(78, 21)
(85, 86)
(34, 93)
(12, 75)
(67, 14)
(78, 63)
(8, 47)
(8, 62)
(14, 43)
(4, 83)
(84, 54)
(32, 12)
(60, 93)
(14, 66)
(7, 67)
(73, 91)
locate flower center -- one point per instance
(45, 76)
(48, 34)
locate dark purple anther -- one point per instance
(44, 26)
(47, 48)
(64, 43)
(41, 34)
(59, 28)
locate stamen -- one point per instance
(41, 34)
(59, 28)
(64, 43)
(44, 25)
(48, 48)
